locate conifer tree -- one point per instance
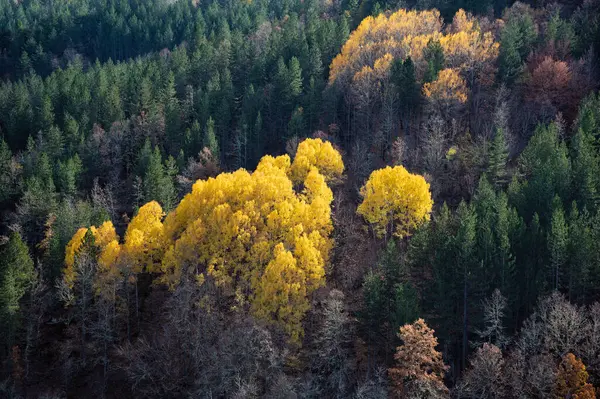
(16, 274)
(210, 140)
(498, 158)
(558, 238)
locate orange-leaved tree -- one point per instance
(419, 366)
(571, 380)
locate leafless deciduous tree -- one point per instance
(493, 315)
(484, 379)
(200, 352)
(331, 364)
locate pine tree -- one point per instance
(210, 138)
(404, 78)
(498, 158)
(434, 55)
(158, 180)
(586, 170)
(16, 274)
(295, 78)
(558, 239)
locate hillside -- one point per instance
(299, 198)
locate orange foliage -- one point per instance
(417, 359)
(571, 381)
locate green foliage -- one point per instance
(210, 138)
(546, 171)
(403, 76)
(433, 54)
(497, 160)
(516, 42)
(558, 241)
(16, 274)
(158, 180)
(390, 298)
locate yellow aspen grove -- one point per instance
(367, 54)
(252, 233)
(395, 201)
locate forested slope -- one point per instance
(285, 198)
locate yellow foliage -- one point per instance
(449, 86)
(104, 234)
(367, 54)
(70, 252)
(107, 243)
(144, 239)
(395, 199)
(108, 269)
(252, 234)
(319, 154)
(281, 293)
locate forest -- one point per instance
(359, 199)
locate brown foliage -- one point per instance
(549, 80)
(417, 360)
(571, 381)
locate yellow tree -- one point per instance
(395, 201)
(255, 237)
(319, 154)
(467, 48)
(144, 239)
(105, 238)
(447, 92)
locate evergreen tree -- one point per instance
(159, 181)
(586, 170)
(434, 55)
(498, 158)
(16, 274)
(558, 239)
(210, 138)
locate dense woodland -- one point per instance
(299, 199)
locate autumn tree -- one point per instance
(572, 379)
(316, 153)
(419, 366)
(418, 35)
(255, 237)
(395, 201)
(446, 92)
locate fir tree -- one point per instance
(498, 158)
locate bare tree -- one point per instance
(331, 364)
(557, 327)
(484, 379)
(493, 318)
